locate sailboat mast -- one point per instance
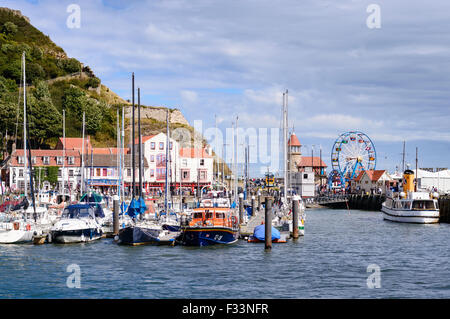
(26, 139)
(118, 155)
(140, 142)
(236, 163)
(133, 154)
(123, 153)
(167, 161)
(285, 146)
(24, 127)
(64, 153)
(82, 155)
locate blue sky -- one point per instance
(229, 58)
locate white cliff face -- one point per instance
(159, 114)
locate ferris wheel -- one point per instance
(352, 153)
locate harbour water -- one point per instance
(330, 261)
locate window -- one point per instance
(202, 175)
(70, 172)
(71, 160)
(59, 160)
(184, 162)
(20, 159)
(185, 174)
(152, 173)
(46, 160)
(20, 172)
(171, 145)
(160, 173)
(305, 176)
(152, 158)
(33, 160)
(98, 172)
(202, 162)
(152, 145)
(128, 171)
(59, 172)
(105, 172)
(220, 215)
(161, 145)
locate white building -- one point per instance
(303, 183)
(429, 180)
(372, 181)
(189, 167)
(68, 169)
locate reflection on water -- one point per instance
(330, 261)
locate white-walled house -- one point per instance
(189, 167)
(69, 169)
(195, 167)
(372, 181)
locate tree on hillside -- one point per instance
(76, 102)
(9, 28)
(8, 105)
(44, 119)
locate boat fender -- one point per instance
(28, 227)
(234, 220)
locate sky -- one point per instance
(345, 67)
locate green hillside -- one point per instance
(54, 82)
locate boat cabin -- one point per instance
(408, 204)
(78, 211)
(215, 217)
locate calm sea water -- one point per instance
(330, 261)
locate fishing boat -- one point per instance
(78, 224)
(410, 206)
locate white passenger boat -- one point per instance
(410, 206)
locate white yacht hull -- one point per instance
(76, 231)
(72, 239)
(13, 236)
(411, 216)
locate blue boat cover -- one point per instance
(259, 233)
(136, 207)
(123, 208)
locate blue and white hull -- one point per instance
(207, 236)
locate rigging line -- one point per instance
(18, 103)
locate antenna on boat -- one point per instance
(417, 172)
(403, 157)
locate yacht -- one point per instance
(410, 206)
(77, 224)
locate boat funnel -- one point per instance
(408, 181)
